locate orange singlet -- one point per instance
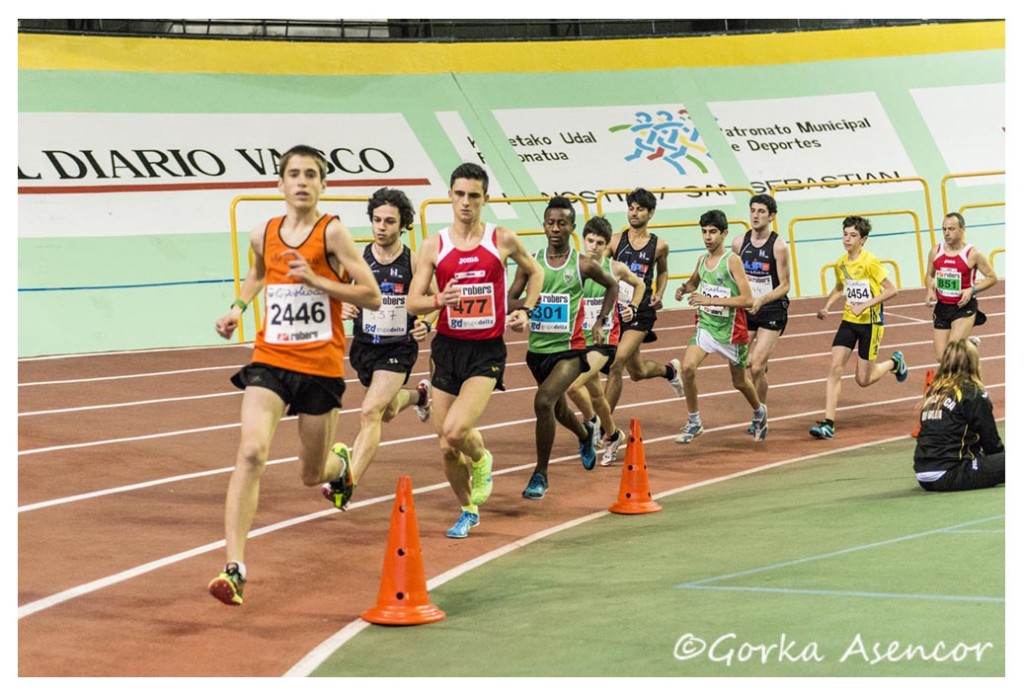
(302, 329)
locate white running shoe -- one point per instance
(677, 382)
(611, 448)
(423, 412)
(690, 431)
(596, 438)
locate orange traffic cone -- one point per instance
(402, 599)
(634, 489)
(928, 378)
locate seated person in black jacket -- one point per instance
(958, 448)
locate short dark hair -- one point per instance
(715, 218)
(395, 197)
(959, 218)
(861, 224)
(469, 170)
(599, 226)
(561, 203)
(643, 198)
(305, 151)
(765, 200)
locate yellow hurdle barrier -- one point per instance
(601, 195)
(233, 212)
(425, 230)
(667, 225)
(825, 288)
(864, 182)
(841, 216)
(965, 175)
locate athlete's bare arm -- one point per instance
(344, 258)
(693, 283)
(929, 279)
(251, 286)
(622, 272)
(591, 270)
(781, 253)
(510, 246)
(661, 278)
(980, 262)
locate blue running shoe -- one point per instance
(460, 530)
(587, 454)
(690, 431)
(761, 425)
(823, 431)
(537, 486)
(899, 366)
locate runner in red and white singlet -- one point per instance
(467, 357)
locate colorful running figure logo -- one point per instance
(670, 137)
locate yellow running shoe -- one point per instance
(339, 491)
(481, 483)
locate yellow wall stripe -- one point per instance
(55, 52)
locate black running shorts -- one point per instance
(543, 364)
(367, 358)
(453, 361)
(310, 394)
(771, 318)
(866, 338)
(943, 315)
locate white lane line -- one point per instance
(426, 349)
(73, 593)
(716, 365)
(132, 376)
(139, 351)
(81, 590)
(127, 404)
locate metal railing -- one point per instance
(447, 30)
(236, 264)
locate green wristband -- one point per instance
(241, 304)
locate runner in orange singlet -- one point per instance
(300, 261)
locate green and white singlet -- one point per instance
(724, 324)
(557, 321)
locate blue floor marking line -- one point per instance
(833, 554)
(129, 287)
(845, 593)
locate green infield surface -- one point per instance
(834, 566)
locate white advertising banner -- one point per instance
(90, 174)
(968, 124)
(584, 150)
(460, 138)
(799, 140)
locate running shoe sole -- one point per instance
(225, 590)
